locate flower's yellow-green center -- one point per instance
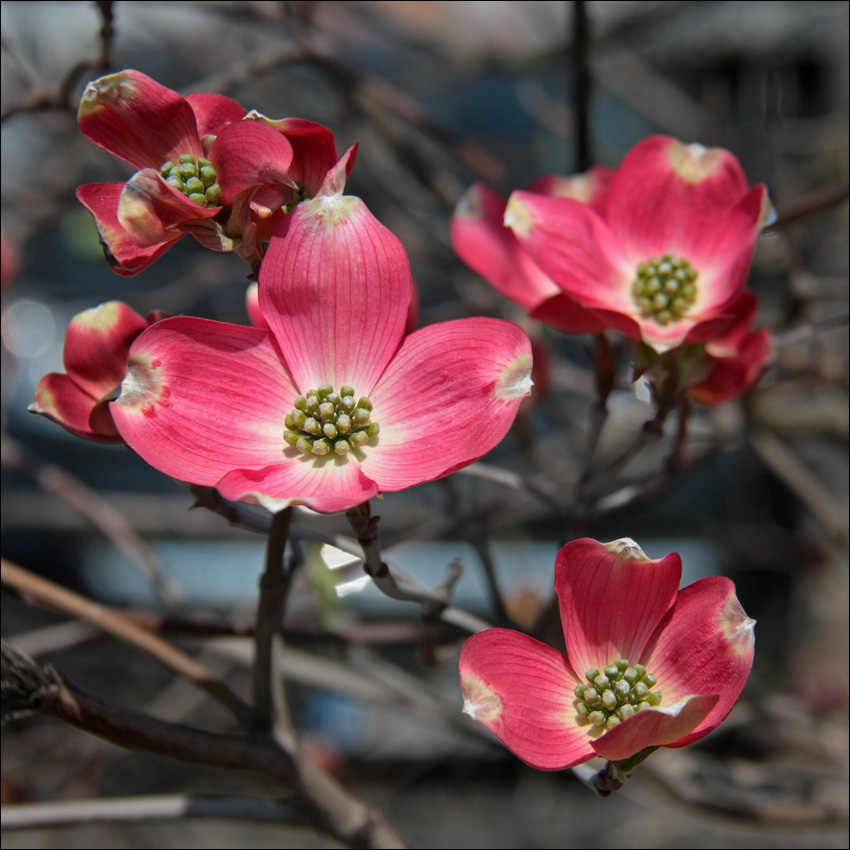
(664, 288)
(196, 179)
(614, 694)
(324, 422)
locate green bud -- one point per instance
(622, 665)
(591, 696)
(358, 438)
(343, 423)
(187, 170)
(609, 699)
(326, 410)
(199, 199)
(591, 674)
(187, 158)
(291, 437)
(582, 710)
(579, 690)
(602, 682)
(329, 430)
(321, 447)
(195, 186)
(649, 679)
(626, 711)
(612, 721)
(639, 691)
(622, 689)
(611, 671)
(301, 402)
(213, 193)
(208, 175)
(304, 445)
(597, 718)
(342, 447)
(346, 390)
(324, 391)
(373, 430)
(364, 403)
(312, 426)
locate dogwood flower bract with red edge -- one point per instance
(666, 259)
(647, 664)
(331, 403)
(205, 168)
(482, 241)
(97, 345)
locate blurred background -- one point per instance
(440, 94)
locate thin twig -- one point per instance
(581, 83)
(115, 623)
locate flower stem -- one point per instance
(274, 587)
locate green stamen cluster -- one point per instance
(664, 288)
(324, 421)
(195, 179)
(615, 693)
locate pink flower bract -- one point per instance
(482, 241)
(242, 169)
(97, 345)
(211, 403)
(665, 258)
(616, 605)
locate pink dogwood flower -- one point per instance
(482, 241)
(97, 346)
(666, 258)
(327, 402)
(204, 168)
(647, 664)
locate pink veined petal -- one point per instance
(724, 262)
(314, 148)
(663, 726)
(248, 153)
(96, 346)
(58, 398)
(523, 691)
(213, 112)
(134, 117)
(562, 312)
(666, 196)
(202, 398)
(574, 246)
(489, 248)
(152, 211)
(124, 255)
(335, 291)
(448, 397)
(327, 484)
(611, 598)
(704, 646)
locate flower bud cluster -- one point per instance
(195, 179)
(615, 694)
(325, 421)
(665, 287)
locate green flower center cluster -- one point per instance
(664, 288)
(196, 179)
(614, 694)
(324, 421)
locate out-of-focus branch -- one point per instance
(88, 504)
(54, 596)
(824, 198)
(40, 688)
(162, 807)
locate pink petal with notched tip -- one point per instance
(669, 197)
(202, 398)
(489, 248)
(335, 291)
(137, 119)
(611, 598)
(523, 691)
(448, 397)
(124, 255)
(574, 247)
(704, 646)
(96, 346)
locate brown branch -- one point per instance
(40, 688)
(115, 623)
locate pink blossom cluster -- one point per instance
(658, 250)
